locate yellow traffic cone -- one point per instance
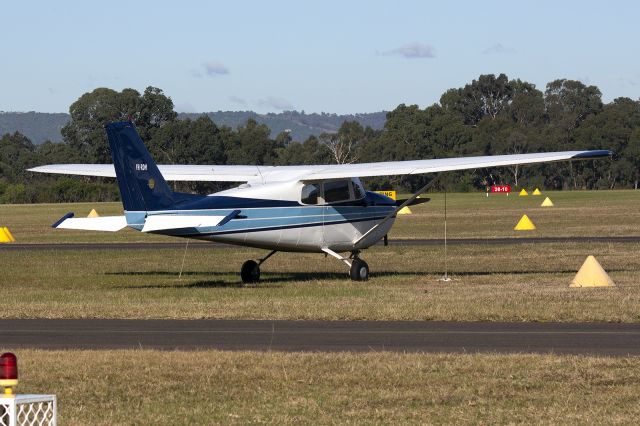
(6, 231)
(405, 210)
(525, 224)
(547, 203)
(93, 213)
(523, 193)
(591, 274)
(4, 238)
(536, 192)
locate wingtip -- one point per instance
(62, 219)
(598, 153)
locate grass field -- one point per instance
(148, 387)
(520, 282)
(576, 213)
(496, 282)
(517, 282)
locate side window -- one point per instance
(310, 193)
(335, 191)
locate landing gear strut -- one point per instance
(250, 271)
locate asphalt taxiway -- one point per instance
(358, 336)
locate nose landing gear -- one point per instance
(359, 270)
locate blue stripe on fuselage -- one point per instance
(255, 219)
(256, 215)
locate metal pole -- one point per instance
(446, 263)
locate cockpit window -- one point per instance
(310, 193)
(335, 191)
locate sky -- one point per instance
(317, 56)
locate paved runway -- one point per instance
(393, 242)
(579, 338)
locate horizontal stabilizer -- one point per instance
(103, 223)
(413, 202)
(166, 222)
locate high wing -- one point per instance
(264, 174)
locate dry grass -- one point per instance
(527, 282)
(510, 283)
(150, 387)
(504, 282)
(577, 213)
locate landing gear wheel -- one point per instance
(359, 270)
(250, 272)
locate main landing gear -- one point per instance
(250, 271)
(359, 270)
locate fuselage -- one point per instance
(278, 217)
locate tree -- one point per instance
(487, 96)
(569, 102)
(17, 153)
(251, 144)
(614, 128)
(89, 114)
(343, 145)
(527, 104)
(312, 151)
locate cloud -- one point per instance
(275, 103)
(237, 100)
(498, 49)
(412, 50)
(215, 68)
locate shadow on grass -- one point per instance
(310, 276)
(277, 279)
(187, 284)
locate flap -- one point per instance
(163, 222)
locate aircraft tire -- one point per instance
(250, 272)
(359, 270)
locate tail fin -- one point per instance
(142, 186)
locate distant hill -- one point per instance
(41, 126)
(300, 124)
(37, 126)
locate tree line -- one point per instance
(491, 115)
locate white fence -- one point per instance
(28, 410)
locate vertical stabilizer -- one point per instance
(142, 186)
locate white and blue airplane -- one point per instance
(317, 208)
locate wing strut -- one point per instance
(407, 202)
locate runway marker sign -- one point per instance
(390, 194)
(499, 189)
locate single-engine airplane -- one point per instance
(317, 208)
